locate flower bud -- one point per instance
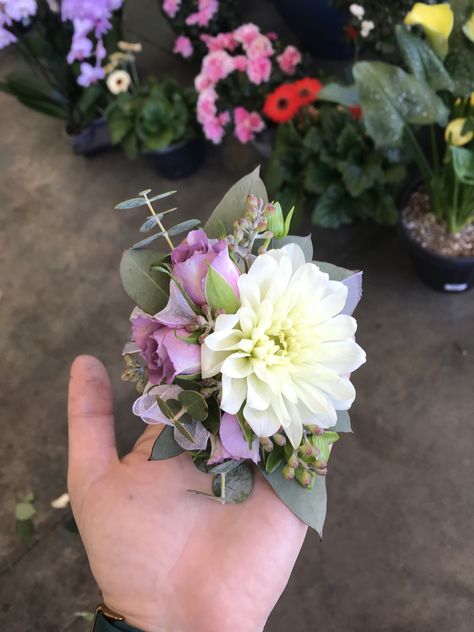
(293, 461)
(314, 429)
(279, 439)
(266, 444)
(288, 473)
(305, 477)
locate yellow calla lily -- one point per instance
(437, 21)
(454, 134)
(468, 28)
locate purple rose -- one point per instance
(191, 259)
(165, 353)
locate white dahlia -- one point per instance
(287, 353)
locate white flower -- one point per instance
(357, 10)
(287, 352)
(366, 27)
(130, 46)
(118, 81)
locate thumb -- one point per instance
(91, 424)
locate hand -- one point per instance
(165, 559)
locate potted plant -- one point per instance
(324, 157)
(153, 118)
(319, 26)
(434, 92)
(64, 73)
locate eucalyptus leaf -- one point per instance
(309, 505)
(305, 243)
(237, 483)
(232, 205)
(194, 403)
(182, 227)
(146, 242)
(219, 294)
(225, 467)
(141, 201)
(213, 419)
(153, 220)
(165, 446)
(147, 288)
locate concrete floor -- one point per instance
(398, 553)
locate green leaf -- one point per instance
(232, 205)
(213, 419)
(148, 289)
(463, 162)
(308, 504)
(219, 294)
(182, 227)
(305, 243)
(391, 98)
(334, 208)
(422, 60)
(24, 511)
(152, 220)
(335, 93)
(237, 485)
(323, 443)
(343, 423)
(245, 426)
(194, 403)
(274, 459)
(165, 446)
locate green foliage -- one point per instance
(165, 446)
(391, 99)
(235, 485)
(233, 204)
(333, 162)
(149, 289)
(153, 117)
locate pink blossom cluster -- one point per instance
(244, 50)
(206, 10)
(183, 46)
(14, 11)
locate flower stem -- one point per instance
(165, 233)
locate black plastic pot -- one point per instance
(93, 140)
(440, 272)
(318, 25)
(178, 161)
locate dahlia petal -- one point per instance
(226, 340)
(258, 393)
(338, 328)
(234, 392)
(344, 356)
(263, 422)
(237, 365)
(211, 361)
(226, 321)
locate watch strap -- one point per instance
(106, 620)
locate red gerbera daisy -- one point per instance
(307, 90)
(356, 111)
(282, 104)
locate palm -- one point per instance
(168, 559)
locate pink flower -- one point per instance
(191, 260)
(206, 11)
(246, 33)
(183, 46)
(171, 7)
(206, 105)
(202, 82)
(247, 124)
(214, 131)
(222, 41)
(233, 444)
(240, 63)
(289, 59)
(260, 46)
(165, 353)
(259, 69)
(217, 65)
